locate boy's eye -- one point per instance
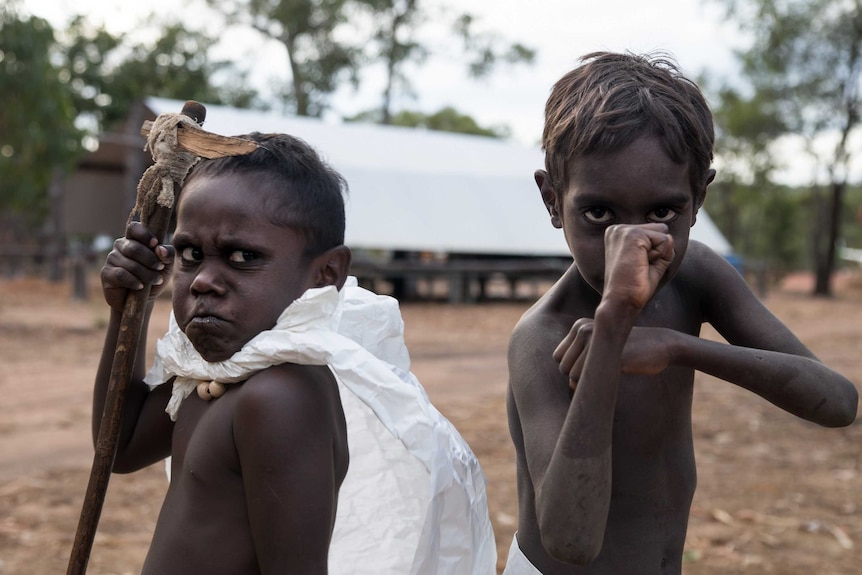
(598, 215)
(663, 215)
(242, 256)
(190, 254)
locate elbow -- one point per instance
(845, 410)
(121, 468)
(569, 544)
(125, 464)
(572, 521)
(570, 550)
(839, 411)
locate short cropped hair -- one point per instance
(312, 198)
(611, 99)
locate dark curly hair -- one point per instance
(313, 198)
(611, 99)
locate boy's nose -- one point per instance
(207, 280)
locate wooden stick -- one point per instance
(206, 144)
(109, 432)
(156, 216)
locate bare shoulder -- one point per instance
(729, 304)
(541, 328)
(288, 395)
(537, 328)
(536, 384)
(705, 269)
(711, 280)
(288, 414)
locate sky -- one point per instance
(694, 32)
(559, 30)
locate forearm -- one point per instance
(572, 501)
(137, 390)
(574, 497)
(800, 385)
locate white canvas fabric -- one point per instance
(517, 563)
(414, 499)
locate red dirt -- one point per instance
(775, 494)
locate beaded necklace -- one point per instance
(208, 390)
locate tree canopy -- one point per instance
(803, 68)
(36, 119)
(109, 74)
(61, 87)
(447, 119)
(330, 43)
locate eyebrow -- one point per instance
(676, 198)
(182, 237)
(593, 199)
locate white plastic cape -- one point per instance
(413, 500)
(517, 563)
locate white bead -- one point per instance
(204, 391)
(216, 389)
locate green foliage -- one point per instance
(83, 54)
(331, 42)
(767, 224)
(852, 214)
(57, 86)
(484, 50)
(804, 69)
(447, 119)
(319, 62)
(108, 75)
(806, 58)
(36, 119)
(395, 45)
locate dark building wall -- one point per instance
(100, 194)
(96, 202)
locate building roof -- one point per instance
(422, 190)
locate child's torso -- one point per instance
(203, 525)
(654, 474)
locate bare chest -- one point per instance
(203, 450)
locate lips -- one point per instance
(205, 319)
(211, 336)
(205, 323)
(204, 313)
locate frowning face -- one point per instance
(236, 270)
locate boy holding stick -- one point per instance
(299, 440)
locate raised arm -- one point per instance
(146, 429)
(763, 355)
(567, 440)
(568, 443)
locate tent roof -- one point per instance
(421, 190)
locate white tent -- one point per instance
(421, 190)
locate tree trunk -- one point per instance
(56, 244)
(299, 90)
(825, 248)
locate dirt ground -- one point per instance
(775, 495)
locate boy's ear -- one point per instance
(332, 267)
(549, 197)
(700, 195)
